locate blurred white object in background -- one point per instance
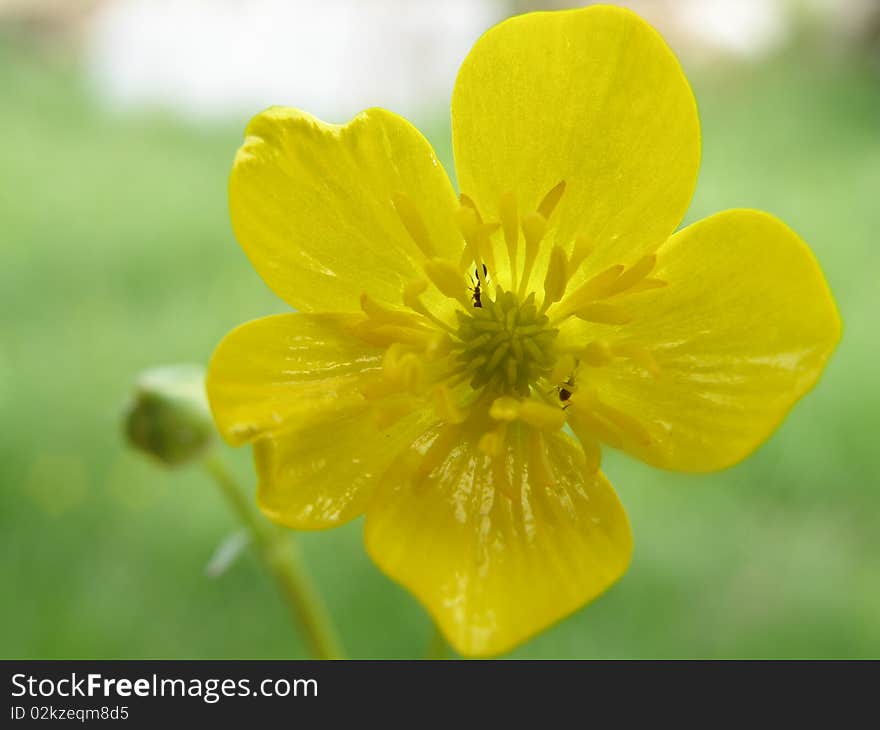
(217, 58)
(740, 29)
(221, 58)
(745, 28)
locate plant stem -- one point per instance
(282, 558)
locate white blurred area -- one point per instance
(210, 59)
(751, 30)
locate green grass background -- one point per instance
(116, 255)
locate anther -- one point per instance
(466, 200)
(646, 285)
(556, 279)
(640, 356)
(597, 354)
(551, 200)
(631, 427)
(529, 411)
(604, 313)
(510, 225)
(411, 299)
(492, 442)
(413, 222)
(534, 226)
(387, 412)
(591, 290)
(380, 314)
(633, 275)
(475, 236)
(448, 279)
(583, 247)
(586, 423)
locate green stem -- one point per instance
(284, 562)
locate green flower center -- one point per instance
(507, 344)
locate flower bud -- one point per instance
(168, 416)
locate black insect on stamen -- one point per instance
(566, 390)
(478, 304)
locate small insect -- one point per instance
(478, 304)
(566, 390)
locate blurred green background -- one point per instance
(116, 255)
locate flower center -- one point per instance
(501, 359)
(506, 344)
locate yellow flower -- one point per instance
(445, 345)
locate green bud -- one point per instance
(168, 416)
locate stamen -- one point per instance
(510, 224)
(534, 226)
(530, 411)
(589, 443)
(484, 231)
(413, 222)
(404, 367)
(589, 291)
(476, 236)
(387, 412)
(413, 289)
(583, 247)
(630, 426)
(447, 409)
(505, 408)
(379, 389)
(383, 335)
(551, 200)
(634, 274)
(447, 278)
(556, 279)
(467, 224)
(411, 299)
(597, 354)
(522, 383)
(604, 313)
(469, 202)
(540, 470)
(640, 356)
(506, 346)
(439, 344)
(563, 369)
(492, 443)
(646, 284)
(380, 314)
(583, 421)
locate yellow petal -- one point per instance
(497, 549)
(324, 475)
(743, 330)
(592, 97)
(274, 373)
(326, 211)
